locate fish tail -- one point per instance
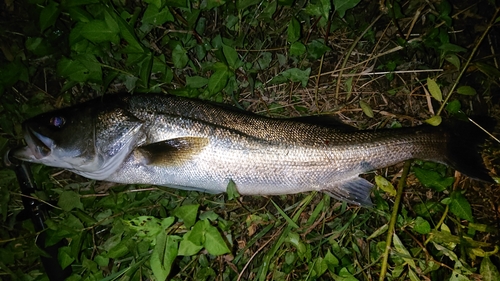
(462, 149)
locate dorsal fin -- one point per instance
(325, 121)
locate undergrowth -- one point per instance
(371, 64)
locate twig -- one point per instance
(486, 131)
(438, 225)
(394, 216)
(388, 72)
(316, 86)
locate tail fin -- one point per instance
(462, 154)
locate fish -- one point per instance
(177, 142)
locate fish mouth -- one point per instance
(38, 145)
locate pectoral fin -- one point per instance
(353, 190)
(171, 152)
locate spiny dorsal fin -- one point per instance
(171, 152)
(325, 121)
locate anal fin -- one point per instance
(354, 190)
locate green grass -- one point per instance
(416, 61)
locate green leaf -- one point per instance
(348, 85)
(232, 191)
(293, 30)
(193, 241)
(120, 250)
(434, 89)
(101, 260)
(320, 266)
(331, 260)
(197, 233)
(367, 110)
(434, 120)
(488, 270)
(448, 47)
(453, 59)
(287, 218)
(433, 179)
(187, 213)
(313, 9)
(317, 48)
(268, 11)
(98, 31)
(341, 6)
(144, 67)
(79, 14)
(458, 276)
(481, 227)
(325, 7)
(413, 276)
(196, 82)
(49, 15)
(214, 243)
(39, 46)
(128, 34)
(214, 3)
(65, 257)
(146, 226)
(460, 207)
(74, 3)
(422, 226)
(243, 4)
(163, 255)
(345, 275)
(188, 248)
(218, 80)
(297, 75)
(385, 185)
(446, 251)
(12, 72)
(381, 230)
(400, 248)
(466, 90)
(111, 22)
(453, 107)
(488, 69)
(263, 61)
(69, 200)
(231, 56)
(93, 66)
(179, 56)
(154, 16)
(156, 3)
(297, 49)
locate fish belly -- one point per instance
(256, 168)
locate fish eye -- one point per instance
(57, 121)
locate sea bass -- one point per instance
(194, 145)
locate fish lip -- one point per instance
(38, 144)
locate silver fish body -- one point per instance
(189, 144)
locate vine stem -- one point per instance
(466, 65)
(392, 222)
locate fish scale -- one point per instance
(195, 145)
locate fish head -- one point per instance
(91, 139)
